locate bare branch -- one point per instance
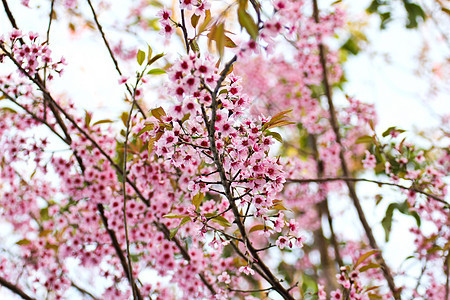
(351, 187)
(82, 290)
(350, 179)
(14, 288)
(117, 248)
(111, 54)
(124, 191)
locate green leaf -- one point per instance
(417, 217)
(156, 3)
(155, 58)
(373, 7)
(220, 38)
(8, 109)
(87, 118)
(53, 247)
(365, 256)
(150, 146)
(174, 231)
(364, 139)
(388, 131)
(145, 129)
(401, 207)
(276, 119)
(385, 18)
(217, 34)
(175, 216)
(124, 118)
(278, 206)
(184, 221)
(369, 266)
(23, 242)
(415, 12)
(194, 45)
(309, 285)
(150, 52)
(44, 214)
(158, 113)
(373, 288)
(103, 122)
(205, 23)
(156, 72)
(387, 220)
(140, 57)
(221, 221)
(258, 228)
(154, 24)
(45, 232)
(135, 257)
(194, 20)
(316, 91)
(246, 21)
(273, 134)
(197, 200)
(351, 45)
(229, 43)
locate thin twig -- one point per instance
(254, 267)
(14, 288)
(83, 291)
(117, 248)
(34, 116)
(323, 208)
(124, 191)
(111, 54)
(9, 14)
(251, 291)
(350, 179)
(183, 28)
(50, 19)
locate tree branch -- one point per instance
(9, 14)
(14, 288)
(124, 191)
(351, 187)
(119, 252)
(328, 268)
(227, 187)
(34, 116)
(350, 179)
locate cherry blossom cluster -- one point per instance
(32, 56)
(182, 137)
